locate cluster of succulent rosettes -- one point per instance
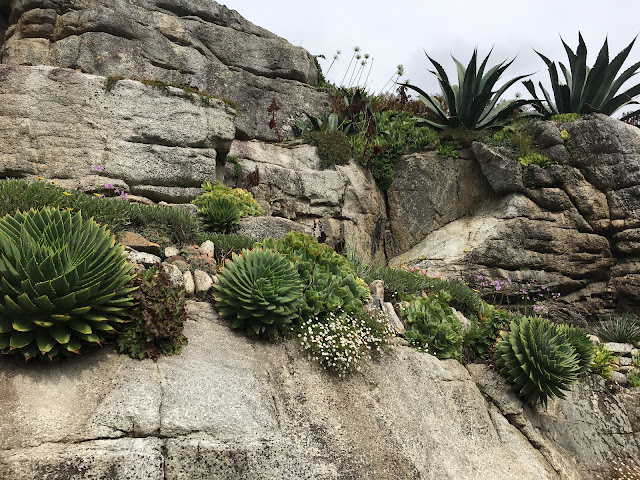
(156, 324)
(65, 285)
(328, 279)
(241, 197)
(221, 215)
(260, 291)
(539, 359)
(433, 327)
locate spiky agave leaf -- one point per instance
(63, 283)
(473, 103)
(587, 90)
(260, 291)
(580, 342)
(537, 359)
(222, 215)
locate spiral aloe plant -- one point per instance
(582, 344)
(537, 359)
(260, 290)
(63, 283)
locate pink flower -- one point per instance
(109, 186)
(98, 168)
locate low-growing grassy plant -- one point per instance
(448, 149)
(619, 328)
(156, 324)
(179, 224)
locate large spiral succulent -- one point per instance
(260, 290)
(63, 283)
(582, 344)
(537, 359)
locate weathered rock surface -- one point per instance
(428, 192)
(201, 44)
(264, 227)
(572, 228)
(230, 407)
(584, 432)
(292, 185)
(59, 123)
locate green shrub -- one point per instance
(22, 195)
(619, 328)
(222, 215)
(259, 291)
(339, 342)
(178, 224)
(582, 345)
(243, 199)
(328, 279)
(333, 147)
(485, 327)
(535, 158)
(433, 327)
(634, 379)
(603, 361)
(156, 324)
(538, 360)
(64, 282)
(117, 214)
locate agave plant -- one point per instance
(587, 90)
(619, 328)
(472, 103)
(260, 290)
(537, 359)
(63, 281)
(222, 215)
(582, 344)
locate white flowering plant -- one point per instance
(340, 342)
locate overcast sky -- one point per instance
(399, 32)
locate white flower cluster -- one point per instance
(339, 342)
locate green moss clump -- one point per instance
(566, 117)
(535, 158)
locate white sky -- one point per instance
(399, 31)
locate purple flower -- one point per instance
(537, 308)
(109, 186)
(98, 168)
(498, 288)
(480, 277)
(116, 191)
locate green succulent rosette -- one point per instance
(64, 283)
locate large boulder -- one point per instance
(572, 227)
(291, 184)
(430, 191)
(231, 408)
(65, 126)
(201, 44)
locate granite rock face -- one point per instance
(190, 42)
(291, 184)
(573, 227)
(65, 126)
(428, 192)
(230, 407)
